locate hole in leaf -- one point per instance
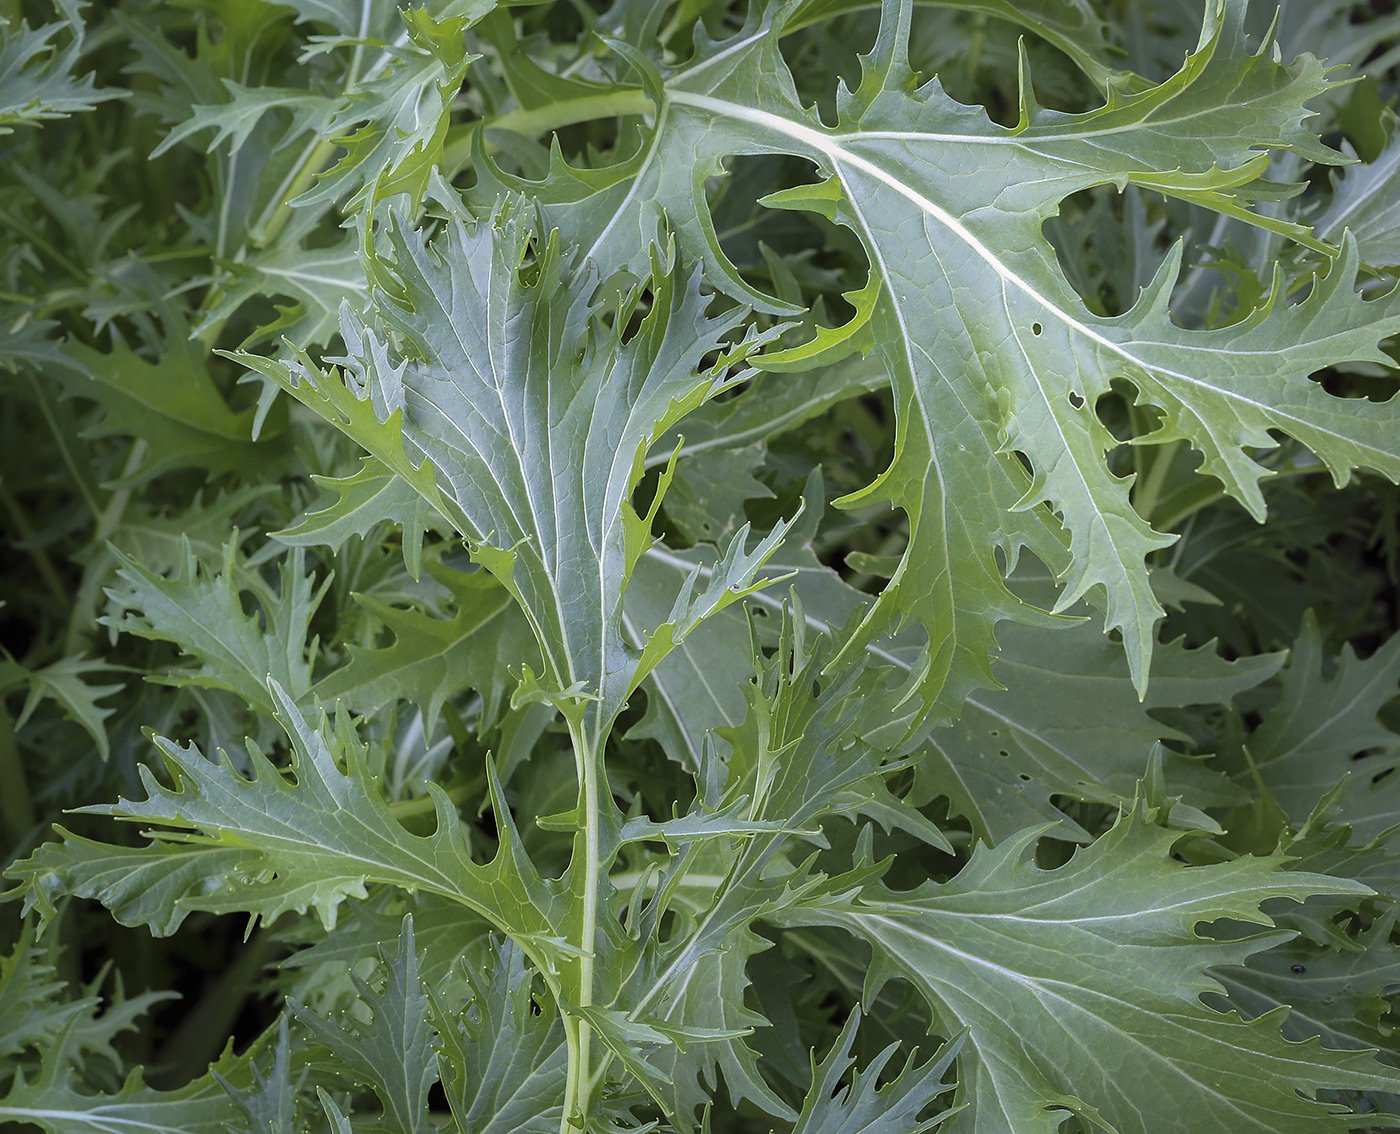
(1358, 381)
(636, 314)
(976, 61)
(1076, 399)
(1115, 409)
(1037, 329)
(826, 54)
(794, 254)
(1109, 245)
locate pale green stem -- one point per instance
(315, 162)
(424, 805)
(112, 515)
(579, 1088)
(1149, 486)
(542, 119)
(1195, 506)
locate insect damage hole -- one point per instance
(1037, 329)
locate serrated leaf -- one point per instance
(393, 1051)
(712, 996)
(371, 496)
(172, 404)
(432, 659)
(503, 1056)
(203, 613)
(268, 845)
(32, 1012)
(484, 350)
(36, 74)
(1326, 717)
(392, 124)
(979, 284)
(1079, 988)
(1012, 749)
(54, 1101)
(832, 1105)
(1366, 203)
(269, 1104)
(67, 683)
(1339, 994)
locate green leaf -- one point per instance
(1366, 203)
(316, 280)
(1013, 749)
(32, 1013)
(393, 1051)
(203, 613)
(172, 404)
(369, 497)
(393, 123)
(269, 1104)
(36, 74)
(1079, 988)
(484, 345)
(502, 1057)
(432, 659)
(266, 845)
(1327, 716)
(1341, 995)
(979, 283)
(56, 1105)
(63, 682)
(832, 1105)
(1071, 25)
(54, 1101)
(712, 996)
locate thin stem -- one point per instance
(111, 516)
(579, 1089)
(1204, 501)
(542, 119)
(1149, 487)
(42, 563)
(315, 162)
(423, 805)
(16, 807)
(60, 440)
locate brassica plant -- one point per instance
(686, 565)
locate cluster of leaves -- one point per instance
(678, 565)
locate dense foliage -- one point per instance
(690, 565)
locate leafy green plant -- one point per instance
(692, 566)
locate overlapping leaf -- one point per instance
(1080, 988)
(996, 363)
(525, 420)
(1326, 718)
(36, 70)
(265, 845)
(502, 1060)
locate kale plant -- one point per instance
(688, 565)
